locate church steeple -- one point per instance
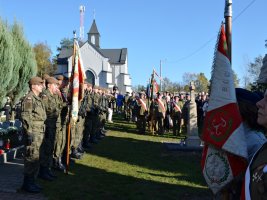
(93, 35)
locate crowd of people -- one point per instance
(44, 113)
(162, 113)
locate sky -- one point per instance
(181, 35)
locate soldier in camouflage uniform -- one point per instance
(77, 132)
(52, 106)
(94, 115)
(33, 116)
(88, 117)
(61, 123)
(103, 107)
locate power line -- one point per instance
(215, 36)
(244, 10)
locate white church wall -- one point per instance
(126, 79)
(109, 77)
(91, 58)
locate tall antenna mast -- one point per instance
(82, 10)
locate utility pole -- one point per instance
(160, 82)
(228, 26)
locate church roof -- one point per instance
(93, 29)
(116, 56)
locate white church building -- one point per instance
(104, 67)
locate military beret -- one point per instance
(158, 93)
(36, 81)
(248, 96)
(51, 80)
(60, 77)
(45, 76)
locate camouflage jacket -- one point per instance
(33, 113)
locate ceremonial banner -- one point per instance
(77, 81)
(219, 167)
(223, 126)
(155, 86)
(225, 155)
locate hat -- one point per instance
(248, 96)
(158, 93)
(45, 76)
(263, 74)
(51, 80)
(36, 81)
(60, 77)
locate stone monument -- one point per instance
(192, 129)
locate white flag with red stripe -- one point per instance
(77, 80)
(223, 127)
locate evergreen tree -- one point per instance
(17, 35)
(28, 67)
(6, 60)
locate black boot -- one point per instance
(61, 167)
(32, 180)
(80, 148)
(29, 186)
(86, 143)
(93, 139)
(50, 173)
(75, 154)
(43, 174)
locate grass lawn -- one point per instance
(126, 165)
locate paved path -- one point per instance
(11, 177)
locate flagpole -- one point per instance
(228, 26)
(70, 118)
(228, 33)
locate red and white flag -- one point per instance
(77, 80)
(155, 87)
(223, 130)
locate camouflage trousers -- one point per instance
(60, 142)
(47, 149)
(77, 132)
(32, 155)
(102, 120)
(87, 128)
(95, 125)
